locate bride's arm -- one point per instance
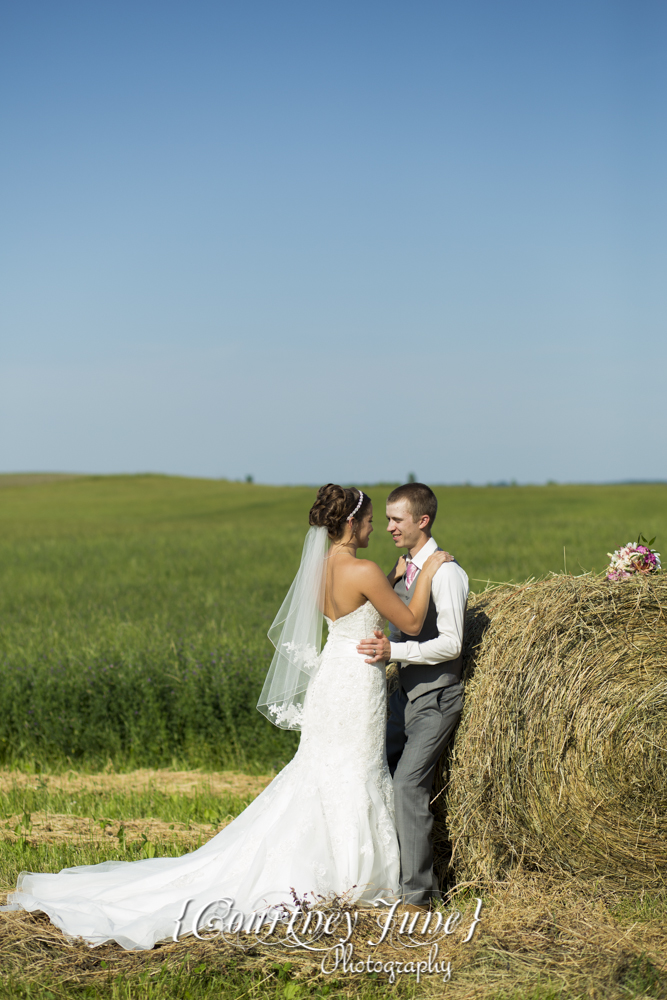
(375, 587)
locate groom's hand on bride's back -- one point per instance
(376, 648)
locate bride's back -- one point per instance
(342, 593)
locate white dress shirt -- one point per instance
(449, 589)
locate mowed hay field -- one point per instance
(133, 646)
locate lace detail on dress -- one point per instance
(359, 624)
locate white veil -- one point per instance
(297, 635)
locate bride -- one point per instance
(325, 824)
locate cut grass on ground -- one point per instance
(49, 822)
(538, 937)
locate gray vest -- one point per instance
(418, 678)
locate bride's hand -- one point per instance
(399, 568)
(435, 561)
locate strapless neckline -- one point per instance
(335, 621)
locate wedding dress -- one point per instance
(324, 826)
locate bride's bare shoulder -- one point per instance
(368, 570)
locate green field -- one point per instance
(134, 609)
(133, 615)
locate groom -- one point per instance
(426, 707)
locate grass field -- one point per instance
(540, 939)
(134, 609)
(133, 614)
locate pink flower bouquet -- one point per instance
(633, 558)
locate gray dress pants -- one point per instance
(417, 733)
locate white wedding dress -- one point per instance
(324, 826)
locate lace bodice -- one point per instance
(359, 624)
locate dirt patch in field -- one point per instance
(55, 828)
(170, 782)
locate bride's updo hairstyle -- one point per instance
(333, 505)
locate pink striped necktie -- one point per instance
(410, 574)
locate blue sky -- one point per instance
(315, 241)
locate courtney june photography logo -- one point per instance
(337, 935)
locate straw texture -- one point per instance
(560, 760)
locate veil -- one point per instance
(297, 635)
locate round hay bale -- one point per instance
(560, 760)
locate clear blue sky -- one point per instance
(344, 241)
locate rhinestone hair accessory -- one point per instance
(361, 500)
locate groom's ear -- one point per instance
(425, 523)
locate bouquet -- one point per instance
(633, 558)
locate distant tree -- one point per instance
(412, 478)
(249, 479)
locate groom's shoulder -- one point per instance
(454, 573)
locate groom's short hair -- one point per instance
(420, 498)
